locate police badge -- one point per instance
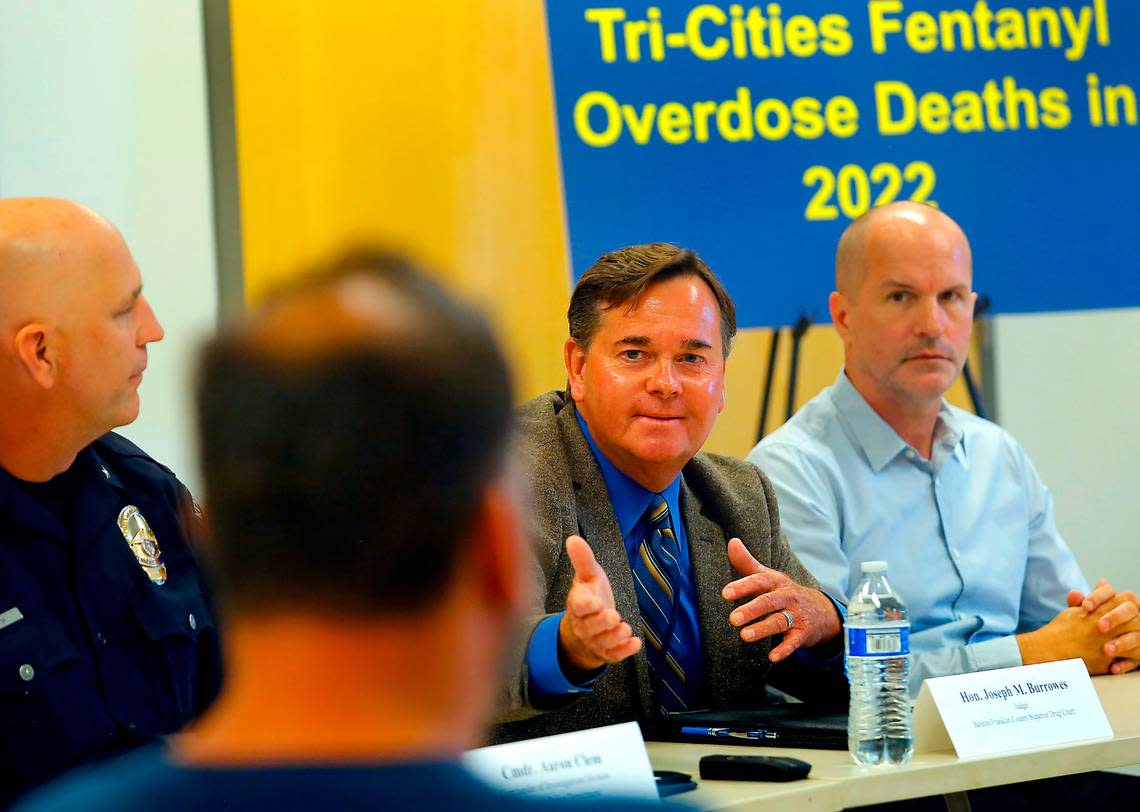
(140, 538)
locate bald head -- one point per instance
(50, 253)
(904, 308)
(871, 238)
(74, 329)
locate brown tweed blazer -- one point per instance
(721, 497)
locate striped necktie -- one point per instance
(657, 580)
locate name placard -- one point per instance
(605, 761)
(1012, 709)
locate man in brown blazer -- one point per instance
(666, 577)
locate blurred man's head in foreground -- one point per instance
(353, 434)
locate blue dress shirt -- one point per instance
(969, 536)
(630, 501)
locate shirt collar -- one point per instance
(87, 468)
(948, 437)
(879, 441)
(629, 499)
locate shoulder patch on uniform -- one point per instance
(116, 445)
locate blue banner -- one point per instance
(755, 133)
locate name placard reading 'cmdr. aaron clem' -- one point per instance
(755, 132)
(584, 764)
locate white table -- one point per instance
(835, 783)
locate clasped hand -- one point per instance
(1117, 616)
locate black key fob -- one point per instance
(754, 768)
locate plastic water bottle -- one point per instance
(877, 643)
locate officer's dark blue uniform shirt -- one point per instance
(94, 656)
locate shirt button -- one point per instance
(910, 454)
(193, 621)
(27, 673)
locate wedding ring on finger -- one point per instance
(788, 616)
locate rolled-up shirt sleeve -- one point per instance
(1051, 569)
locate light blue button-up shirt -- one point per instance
(969, 536)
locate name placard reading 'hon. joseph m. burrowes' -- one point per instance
(1019, 708)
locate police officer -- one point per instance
(107, 639)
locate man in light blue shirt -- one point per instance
(879, 466)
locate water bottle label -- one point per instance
(878, 642)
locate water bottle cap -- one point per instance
(874, 566)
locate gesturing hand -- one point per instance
(814, 619)
(592, 632)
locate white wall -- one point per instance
(104, 102)
(1068, 387)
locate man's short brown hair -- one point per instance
(620, 278)
(347, 477)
